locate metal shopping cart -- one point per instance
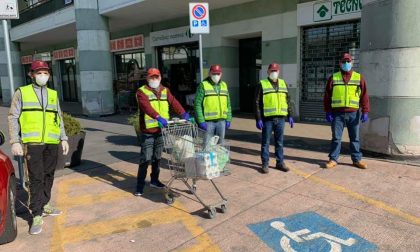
(192, 158)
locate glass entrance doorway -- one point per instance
(68, 78)
(249, 71)
(179, 66)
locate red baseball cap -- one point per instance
(153, 72)
(215, 69)
(39, 65)
(346, 56)
(273, 67)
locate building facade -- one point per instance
(99, 51)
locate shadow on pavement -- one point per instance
(124, 140)
(121, 180)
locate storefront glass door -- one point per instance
(249, 70)
(68, 78)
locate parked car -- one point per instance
(8, 224)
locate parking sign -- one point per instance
(9, 9)
(199, 18)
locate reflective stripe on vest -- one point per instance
(159, 105)
(215, 105)
(39, 125)
(346, 95)
(274, 102)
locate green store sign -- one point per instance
(326, 10)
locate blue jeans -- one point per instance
(151, 153)
(276, 125)
(352, 121)
(215, 128)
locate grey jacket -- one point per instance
(16, 109)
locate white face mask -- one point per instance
(42, 79)
(153, 83)
(215, 78)
(274, 75)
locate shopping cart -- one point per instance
(192, 158)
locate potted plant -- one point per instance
(76, 141)
(134, 120)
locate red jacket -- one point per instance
(364, 97)
(146, 108)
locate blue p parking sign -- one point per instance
(309, 231)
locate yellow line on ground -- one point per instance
(89, 199)
(370, 201)
(63, 235)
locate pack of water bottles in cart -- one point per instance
(192, 155)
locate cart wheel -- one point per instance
(223, 208)
(169, 199)
(212, 212)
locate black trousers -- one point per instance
(41, 160)
(151, 153)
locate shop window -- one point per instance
(130, 75)
(68, 79)
(179, 65)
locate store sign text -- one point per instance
(326, 10)
(64, 54)
(346, 6)
(172, 36)
(127, 43)
(25, 60)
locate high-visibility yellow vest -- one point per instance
(215, 105)
(36, 124)
(274, 102)
(159, 105)
(346, 96)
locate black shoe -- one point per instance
(282, 167)
(264, 169)
(157, 184)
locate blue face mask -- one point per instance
(346, 67)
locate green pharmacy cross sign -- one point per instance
(322, 12)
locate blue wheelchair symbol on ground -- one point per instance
(309, 231)
(195, 23)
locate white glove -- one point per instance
(65, 146)
(17, 149)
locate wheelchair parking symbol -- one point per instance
(309, 232)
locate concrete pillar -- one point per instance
(16, 65)
(390, 53)
(95, 62)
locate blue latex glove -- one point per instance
(203, 126)
(364, 117)
(162, 122)
(291, 122)
(329, 117)
(227, 125)
(186, 116)
(260, 124)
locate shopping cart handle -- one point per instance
(177, 121)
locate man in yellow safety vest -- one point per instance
(272, 108)
(212, 105)
(36, 123)
(154, 101)
(345, 98)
